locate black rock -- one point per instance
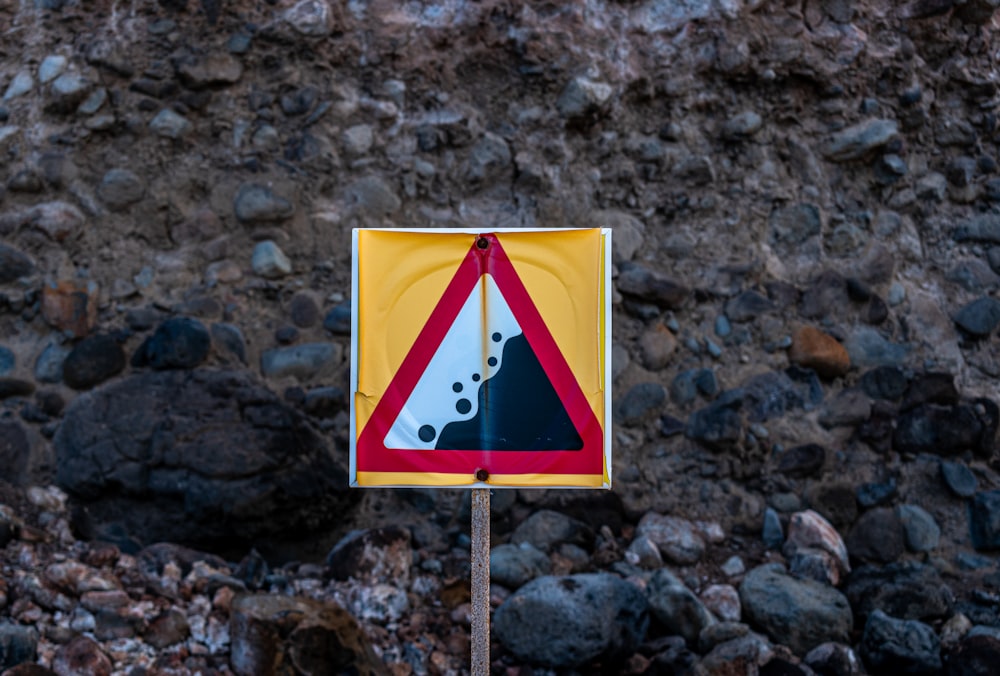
(909, 590)
(338, 319)
(930, 388)
(959, 478)
(688, 384)
(984, 520)
(13, 264)
(877, 537)
(747, 306)
(651, 286)
(944, 430)
(802, 461)
(774, 394)
(877, 431)
(826, 296)
(15, 387)
(891, 645)
(325, 402)
(884, 382)
(18, 644)
(177, 343)
(92, 361)
(209, 457)
(836, 502)
(980, 317)
(640, 400)
(975, 656)
(719, 425)
(303, 311)
(15, 451)
(876, 493)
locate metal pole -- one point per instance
(480, 582)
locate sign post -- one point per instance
(481, 359)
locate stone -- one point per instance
(772, 534)
(211, 70)
(848, 408)
(907, 589)
(802, 461)
(373, 556)
(338, 319)
(867, 348)
(776, 394)
(94, 101)
(719, 426)
(814, 349)
(513, 566)
(857, 141)
(170, 125)
(82, 655)
(643, 552)
(92, 361)
(7, 360)
(302, 362)
(900, 646)
(750, 653)
(303, 310)
(747, 306)
(49, 365)
(959, 479)
(584, 99)
(120, 188)
(877, 537)
(809, 530)
(59, 221)
(277, 634)
(310, 18)
(20, 85)
(656, 347)
(974, 656)
(255, 203)
(373, 196)
(984, 520)
(801, 614)
(358, 140)
(67, 91)
(676, 607)
(15, 451)
(678, 539)
(651, 286)
(984, 227)
(14, 264)
(177, 343)
(489, 161)
(628, 233)
(197, 456)
(884, 382)
(640, 400)
(70, 306)
(269, 261)
(834, 659)
(942, 430)
(921, 531)
(545, 529)
(15, 387)
(980, 317)
(166, 629)
(567, 622)
(742, 126)
(791, 226)
(722, 601)
(52, 66)
(18, 644)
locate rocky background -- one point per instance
(804, 198)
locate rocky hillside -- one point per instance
(804, 197)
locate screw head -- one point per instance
(482, 242)
(482, 475)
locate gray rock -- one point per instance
(678, 539)
(746, 654)
(52, 66)
(358, 139)
(269, 261)
(373, 556)
(547, 528)
(230, 339)
(747, 306)
(373, 196)
(7, 361)
(628, 233)
(49, 365)
(310, 18)
(908, 589)
(18, 644)
(255, 203)
(932, 186)
(793, 225)
(891, 645)
(303, 310)
(719, 425)
(834, 659)
(67, 91)
(798, 613)
(93, 102)
(489, 161)
(14, 264)
(177, 343)
(121, 187)
(20, 85)
(772, 534)
(859, 140)
(984, 520)
(515, 565)
(651, 286)
(338, 319)
(300, 361)
(979, 228)
(169, 124)
(677, 608)
(980, 317)
(959, 478)
(211, 70)
(583, 98)
(867, 347)
(571, 621)
(877, 536)
(92, 361)
(742, 125)
(640, 400)
(15, 387)
(15, 451)
(919, 527)
(686, 385)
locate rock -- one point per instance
(884, 382)
(15, 387)
(120, 187)
(746, 654)
(338, 319)
(719, 425)
(168, 628)
(809, 530)
(373, 556)
(834, 659)
(52, 66)
(373, 196)
(974, 656)
(58, 220)
(274, 634)
(877, 536)
(644, 553)
(70, 306)
(742, 126)
(303, 362)
(798, 613)
(772, 534)
(547, 528)
(867, 347)
(177, 343)
(931, 388)
(900, 646)
(984, 520)
(170, 125)
(650, 286)
(676, 607)
(849, 408)
(20, 85)
(197, 456)
(677, 539)
(656, 347)
(984, 227)
(723, 601)
(747, 306)
(7, 361)
(921, 532)
(358, 140)
(303, 310)
(67, 91)
(14, 264)
(907, 590)
(959, 478)
(571, 621)
(584, 100)
(255, 203)
(310, 18)
(18, 644)
(49, 365)
(215, 69)
(515, 565)
(775, 394)
(92, 361)
(629, 233)
(942, 430)
(15, 451)
(640, 400)
(802, 461)
(269, 261)
(82, 655)
(855, 142)
(489, 161)
(814, 349)
(980, 317)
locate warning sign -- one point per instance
(481, 358)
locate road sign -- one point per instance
(481, 358)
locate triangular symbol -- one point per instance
(484, 375)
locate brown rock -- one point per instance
(71, 306)
(814, 349)
(657, 346)
(82, 655)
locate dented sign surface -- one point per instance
(481, 358)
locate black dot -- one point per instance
(497, 337)
(492, 361)
(456, 387)
(426, 433)
(475, 377)
(463, 406)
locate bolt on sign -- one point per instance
(481, 358)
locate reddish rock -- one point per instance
(82, 656)
(71, 306)
(814, 349)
